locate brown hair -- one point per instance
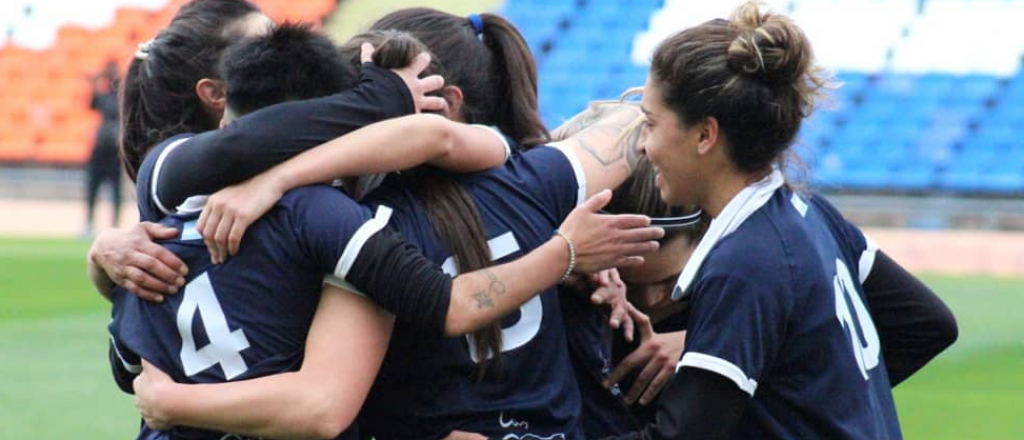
(754, 73)
(456, 222)
(158, 98)
(498, 78)
(452, 212)
(495, 71)
(392, 49)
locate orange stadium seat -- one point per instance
(17, 142)
(45, 114)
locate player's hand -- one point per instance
(611, 291)
(418, 87)
(132, 260)
(603, 241)
(229, 213)
(148, 386)
(658, 354)
(462, 435)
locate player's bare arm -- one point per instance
(598, 242)
(604, 139)
(386, 146)
(319, 401)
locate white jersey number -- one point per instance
(865, 349)
(225, 345)
(530, 313)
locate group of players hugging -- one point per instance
(383, 240)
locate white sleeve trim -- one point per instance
(355, 245)
(131, 368)
(581, 176)
(867, 259)
(720, 366)
(156, 175)
(342, 284)
(501, 137)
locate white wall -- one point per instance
(34, 23)
(948, 36)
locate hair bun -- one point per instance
(769, 47)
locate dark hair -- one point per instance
(450, 209)
(498, 78)
(292, 62)
(495, 71)
(158, 97)
(392, 49)
(639, 194)
(753, 73)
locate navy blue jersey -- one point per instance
(604, 412)
(249, 316)
(427, 386)
(778, 308)
(151, 209)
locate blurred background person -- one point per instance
(104, 166)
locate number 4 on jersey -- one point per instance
(225, 346)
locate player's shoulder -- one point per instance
(759, 252)
(540, 155)
(750, 252)
(147, 174)
(842, 229)
(827, 210)
(547, 166)
(318, 198)
(154, 155)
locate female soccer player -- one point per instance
(498, 389)
(513, 289)
(914, 325)
(779, 343)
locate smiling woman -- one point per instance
(778, 328)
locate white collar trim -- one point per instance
(741, 207)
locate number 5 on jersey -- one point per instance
(225, 346)
(530, 314)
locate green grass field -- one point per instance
(56, 383)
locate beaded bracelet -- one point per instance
(572, 256)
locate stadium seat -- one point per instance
(920, 107)
(905, 118)
(49, 55)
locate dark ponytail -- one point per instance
(495, 70)
(498, 79)
(456, 223)
(516, 113)
(158, 98)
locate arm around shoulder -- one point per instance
(321, 400)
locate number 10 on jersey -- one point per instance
(864, 350)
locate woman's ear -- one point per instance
(453, 95)
(213, 94)
(708, 135)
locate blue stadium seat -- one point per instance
(913, 178)
(886, 130)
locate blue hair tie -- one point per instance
(477, 22)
